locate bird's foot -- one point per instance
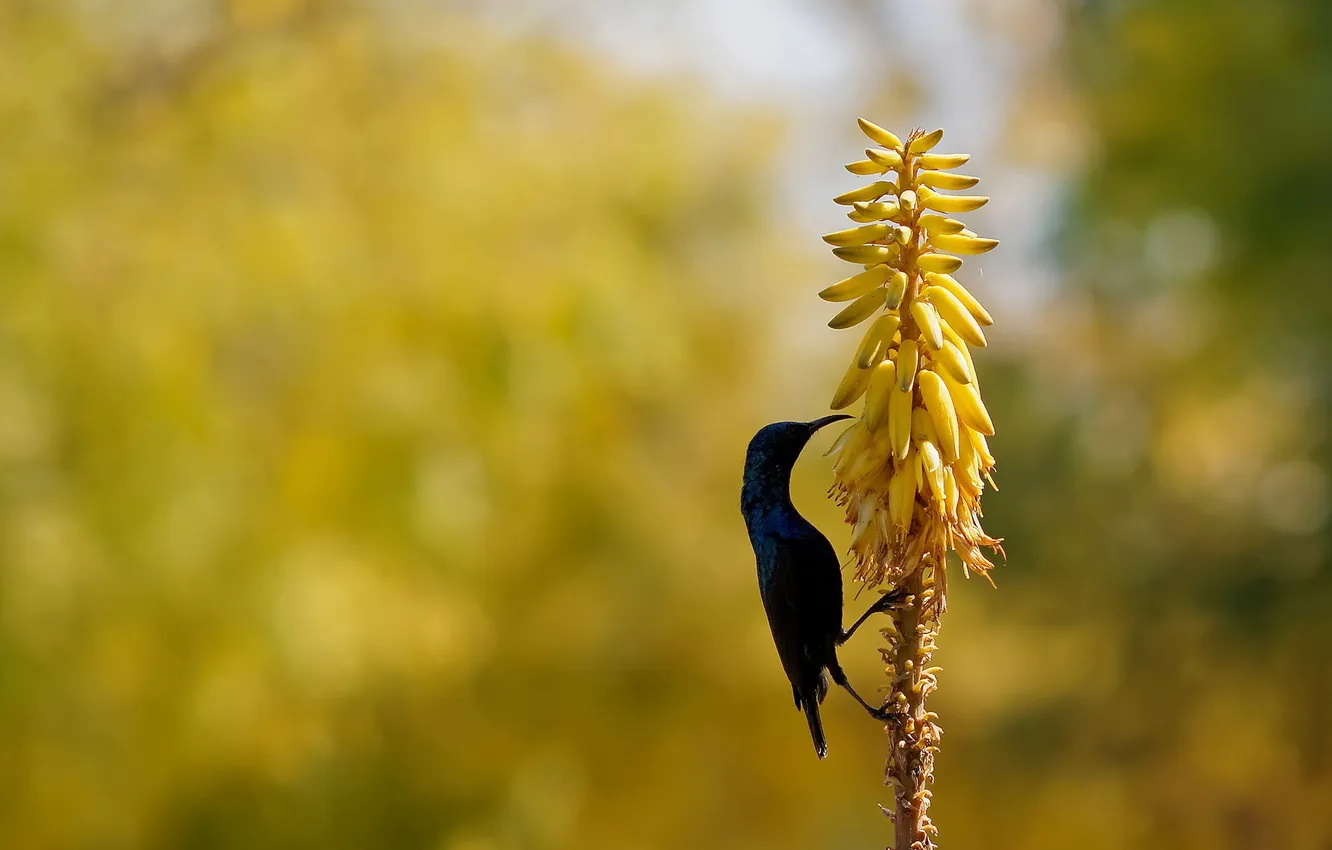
(889, 601)
(887, 714)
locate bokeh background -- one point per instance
(375, 378)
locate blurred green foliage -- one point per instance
(372, 408)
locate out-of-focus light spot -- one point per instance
(1294, 497)
(452, 504)
(1114, 436)
(1180, 243)
(547, 793)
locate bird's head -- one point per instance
(774, 450)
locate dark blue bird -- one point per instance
(800, 578)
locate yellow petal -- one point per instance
(888, 159)
(868, 255)
(959, 244)
(899, 422)
(958, 317)
(877, 210)
(851, 388)
(860, 310)
(950, 487)
(960, 344)
(951, 360)
(933, 466)
(939, 403)
(923, 143)
(879, 135)
(943, 160)
(872, 192)
(982, 449)
(865, 167)
(902, 497)
(883, 382)
(907, 200)
(968, 300)
(928, 322)
(970, 409)
(874, 346)
(857, 284)
(922, 426)
(857, 235)
(937, 263)
(951, 203)
(938, 224)
(908, 355)
(896, 290)
(944, 180)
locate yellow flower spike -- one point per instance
(937, 224)
(959, 244)
(952, 361)
(959, 318)
(938, 263)
(857, 235)
(867, 255)
(897, 285)
(908, 355)
(857, 284)
(943, 160)
(899, 422)
(939, 403)
(852, 387)
(879, 135)
(882, 383)
(974, 307)
(950, 203)
(911, 471)
(944, 180)
(927, 319)
(874, 346)
(872, 192)
(890, 160)
(877, 210)
(860, 310)
(865, 167)
(924, 143)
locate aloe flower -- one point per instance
(911, 470)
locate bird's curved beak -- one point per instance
(827, 420)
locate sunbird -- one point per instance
(799, 576)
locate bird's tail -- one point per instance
(810, 703)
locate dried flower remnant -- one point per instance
(911, 470)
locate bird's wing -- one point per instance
(803, 599)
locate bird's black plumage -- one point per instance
(800, 579)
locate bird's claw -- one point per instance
(889, 601)
(887, 714)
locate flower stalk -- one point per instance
(911, 469)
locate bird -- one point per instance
(800, 578)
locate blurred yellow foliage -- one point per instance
(374, 384)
